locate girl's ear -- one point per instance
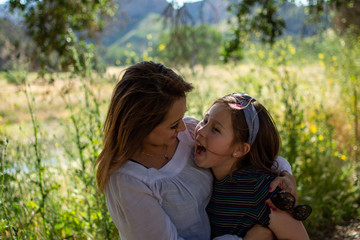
(241, 150)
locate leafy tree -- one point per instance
(262, 16)
(265, 18)
(10, 36)
(60, 29)
(347, 18)
(190, 46)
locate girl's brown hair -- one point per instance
(266, 146)
(140, 102)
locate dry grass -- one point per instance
(209, 83)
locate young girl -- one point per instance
(239, 141)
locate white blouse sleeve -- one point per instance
(282, 164)
(136, 212)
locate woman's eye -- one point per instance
(175, 126)
(216, 130)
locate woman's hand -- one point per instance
(259, 232)
(286, 182)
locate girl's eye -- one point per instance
(175, 126)
(216, 130)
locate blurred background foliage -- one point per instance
(59, 61)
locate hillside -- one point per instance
(124, 40)
(137, 20)
(128, 17)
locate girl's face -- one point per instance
(166, 132)
(214, 141)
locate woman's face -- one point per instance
(214, 135)
(166, 132)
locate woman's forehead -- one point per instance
(176, 111)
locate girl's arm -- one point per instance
(284, 226)
(257, 232)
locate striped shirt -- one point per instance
(238, 202)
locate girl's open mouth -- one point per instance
(199, 149)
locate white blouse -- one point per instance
(167, 203)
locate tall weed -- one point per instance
(48, 188)
(324, 167)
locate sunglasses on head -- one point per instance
(286, 201)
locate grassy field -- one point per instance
(51, 135)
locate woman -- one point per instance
(153, 188)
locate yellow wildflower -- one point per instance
(292, 50)
(261, 54)
(313, 129)
(162, 47)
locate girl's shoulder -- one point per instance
(248, 177)
(251, 173)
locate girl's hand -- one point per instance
(286, 182)
(259, 232)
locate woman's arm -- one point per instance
(136, 212)
(285, 226)
(285, 180)
(257, 232)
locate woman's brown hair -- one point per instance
(140, 102)
(266, 146)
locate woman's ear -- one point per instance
(241, 150)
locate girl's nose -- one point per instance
(201, 130)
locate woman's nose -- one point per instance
(182, 126)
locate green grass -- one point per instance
(47, 179)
